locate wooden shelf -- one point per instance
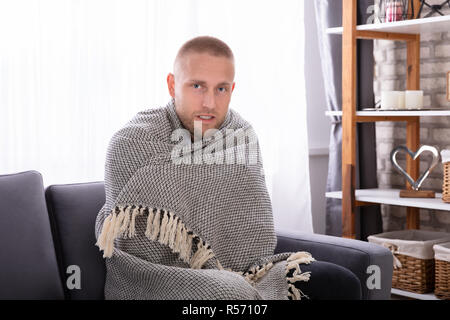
(391, 196)
(405, 113)
(415, 26)
(418, 296)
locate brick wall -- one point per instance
(390, 61)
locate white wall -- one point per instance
(318, 123)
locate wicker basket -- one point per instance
(446, 183)
(442, 270)
(413, 257)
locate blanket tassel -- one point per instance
(257, 272)
(294, 274)
(162, 226)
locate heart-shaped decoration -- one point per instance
(414, 155)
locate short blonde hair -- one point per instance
(202, 44)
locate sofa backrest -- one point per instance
(73, 209)
(28, 264)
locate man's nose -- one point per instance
(209, 100)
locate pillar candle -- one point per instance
(392, 100)
(400, 99)
(414, 99)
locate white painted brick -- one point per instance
(396, 54)
(388, 164)
(384, 44)
(432, 184)
(441, 135)
(431, 36)
(383, 209)
(401, 162)
(379, 55)
(399, 212)
(399, 133)
(424, 52)
(443, 216)
(442, 50)
(390, 180)
(384, 148)
(384, 133)
(427, 100)
(441, 121)
(434, 67)
(425, 216)
(441, 100)
(393, 69)
(383, 124)
(439, 169)
(424, 163)
(390, 84)
(397, 180)
(434, 83)
(423, 133)
(380, 164)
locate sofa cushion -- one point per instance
(28, 265)
(73, 209)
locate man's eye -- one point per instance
(196, 84)
(224, 89)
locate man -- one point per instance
(186, 227)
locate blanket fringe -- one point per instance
(253, 274)
(162, 226)
(294, 274)
(257, 272)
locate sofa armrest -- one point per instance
(354, 255)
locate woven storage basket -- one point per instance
(442, 270)
(413, 257)
(446, 183)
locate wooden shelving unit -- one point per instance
(410, 32)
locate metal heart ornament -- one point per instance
(414, 155)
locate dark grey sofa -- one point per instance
(43, 232)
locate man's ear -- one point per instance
(171, 84)
(232, 88)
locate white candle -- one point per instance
(400, 99)
(392, 100)
(414, 99)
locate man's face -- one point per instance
(202, 85)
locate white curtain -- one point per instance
(72, 72)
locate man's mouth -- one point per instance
(205, 118)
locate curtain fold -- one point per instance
(72, 72)
(329, 14)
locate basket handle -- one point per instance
(393, 249)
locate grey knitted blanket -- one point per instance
(189, 220)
